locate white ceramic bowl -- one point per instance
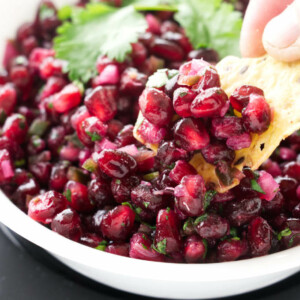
(162, 280)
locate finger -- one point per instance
(281, 37)
(259, 13)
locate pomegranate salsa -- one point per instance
(70, 160)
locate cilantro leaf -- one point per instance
(161, 247)
(200, 219)
(68, 195)
(286, 232)
(211, 23)
(97, 30)
(208, 197)
(256, 187)
(102, 246)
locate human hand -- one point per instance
(272, 26)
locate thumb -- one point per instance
(281, 37)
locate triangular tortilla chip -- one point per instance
(281, 85)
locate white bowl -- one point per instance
(162, 280)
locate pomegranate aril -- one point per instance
(8, 99)
(67, 223)
(287, 154)
(51, 67)
(156, 107)
(230, 250)
(259, 237)
(167, 235)
(116, 164)
(109, 75)
(68, 98)
(99, 193)
(77, 195)
(45, 207)
(132, 82)
(292, 169)
(226, 127)
(42, 171)
(38, 55)
(241, 211)
(268, 185)
(140, 248)
(257, 114)
(293, 238)
(181, 169)
(55, 138)
(121, 188)
(217, 151)
(209, 79)
(272, 167)
(139, 53)
(167, 50)
(240, 97)
(101, 102)
(195, 249)
(206, 54)
(118, 223)
(92, 240)
(121, 249)
(6, 166)
(190, 134)
(15, 128)
(274, 207)
(125, 136)
(58, 177)
(238, 142)
(209, 103)
(169, 26)
(182, 100)
(189, 195)
(114, 127)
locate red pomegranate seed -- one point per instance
(38, 55)
(68, 98)
(45, 207)
(10, 53)
(206, 54)
(167, 50)
(6, 167)
(195, 249)
(217, 151)
(153, 24)
(240, 212)
(77, 194)
(167, 235)
(230, 250)
(101, 102)
(272, 167)
(91, 130)
(209, 79)
(139, 54)
(58, 177)
(116, 164)
(238, 142)
(145, 160)
(67, 223)
(259, 237)
(274, 207)
(53, 85)
(181, 169)
(99, 193)
(257, 114)
(133, 82)
(121, 188)
(51, 67)
(189, 195)
(8, 99)
(287, 154)
(226, 127)
(156, 107)
(212, 226)
(190, 134)
(15, 128)
(109, 75)
(24, 31)
(79, 115)
(92, 240)
(150, 133)
(268, 185)
(42, 171)
(118, 223)
(240, 97)
(114, 127)
(292, 239)
(125, 136)
(140, 248)
(182, 100)
(209, 103)
(292, 169)
(121, 249)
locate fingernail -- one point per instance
(284, 30)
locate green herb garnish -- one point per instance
(256, 187)
(102, 246)
(200, 219)
(161, 247)
(68, 195)
(208, 197)
(285, 232)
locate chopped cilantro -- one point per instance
(36, 141)
(256, 187)
(2, 116)
(167, 217)
(161, 246)
(68, 195)
(233, 231)
(95, 137)
(208, 197)
(144, 237)
(123, 224)
(138, 210)
(144, 246)
(291, 241)
(151, 176)
(187, 223)
(38, 127)
(200, 219)
(168, 209)
(146, 204)
(127, 204)
(19, 163)
(90, 165)
(65, 13)
(285, 232)
(236, 238)
(102, 246)
(50, 105)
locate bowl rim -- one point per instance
(12, 217)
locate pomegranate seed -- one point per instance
(268, 185)
(181, 169)
(212, 226)
(42, 171)
(242, 211)
(121, 188)
(55, 138)
(144, 197)
(257, 114)
(190, 195)
(80, 114)
(168, 25)
(273, 207)
(209, 79)
(206, 54)
(51, 67)
(240, 97)
(125, 136)
(292, 239)
(292, 169)
(209, 103)
(25, 31)
(10, 53)
(145, 160)
(167, 50)
(195, 249)
(259, 237)
(77, 194)
(272, 167)
(140, 248)
(8, 99)
(132, 82)
(99, 193)
(153, 24)
(139, 54)
(287, 153)
(190, 134)
(15, 128)
(217, 151)
(156, 107)
(182, 100)
(58, 177)
(121, 249)
(92, 240)
(38, 55)
(67, 224)
(118, 223)
(53, 85)
(226, 127)
(91, 130)
(101, 102)
(68, 98)
(6, 168)
(238, 142)
(230, 250)
(109, 75)
(45, 207)
(114, 127)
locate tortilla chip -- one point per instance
(281, 85)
